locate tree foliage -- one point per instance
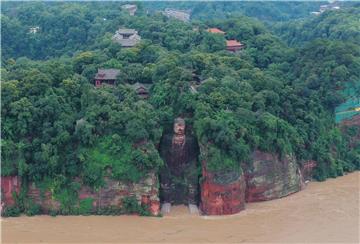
(270, 96)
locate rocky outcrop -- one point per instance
(271, 177)
(306, 170)
(9, 186)
(222, 193)
(145, 191)
(43, 198)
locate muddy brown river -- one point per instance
(322, 213)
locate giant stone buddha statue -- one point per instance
(179, 176)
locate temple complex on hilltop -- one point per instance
(141, 89)
(333, 5)
(231, 45)
(182, 15)
(234, 45)
(131, 8)
(106, 76)
(126, 37)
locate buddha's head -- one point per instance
(179, 126)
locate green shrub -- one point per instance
(32, 208)
(53, 212)
(11, 211)
(68, 199)
(86, 206)
(117, 153)
(130, 206)
(110, 210)
(218, 161)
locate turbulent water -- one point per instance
(323, 212)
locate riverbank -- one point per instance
(323, 212)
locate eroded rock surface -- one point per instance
(220, 196)
(145, 191)
(9, 184)
(271, 177)
(307, 170)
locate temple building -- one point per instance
(333, 5)
(106, 76)
(216, 31)
(183, 15)
(34, 30)
(131, 8)
(234, 45)
(126, 37)
(141, 89)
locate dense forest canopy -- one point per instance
(269, 11)
(331, 25)
(270, 96)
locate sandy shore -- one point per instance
(322, 213)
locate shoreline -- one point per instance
(323, 212)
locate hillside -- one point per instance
(63, 132)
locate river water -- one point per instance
(322, 213)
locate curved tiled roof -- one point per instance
(107, 74)
(215, 30)
(232, 43)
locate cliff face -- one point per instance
(268, 177)
(271, 177)
(146, 193)
(9, 184)
(307, 170)
(222, 198)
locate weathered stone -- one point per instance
(112, 194)
(193, 209)
(221, 199)
(179, 178)
(44, 199)
(9, 186)
(165, 208)
(306, 170)
(271, 177)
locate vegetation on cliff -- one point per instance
(269, 96)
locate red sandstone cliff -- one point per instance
(271, 177)
(221, 198)
(146, 192)
(306, 170)
(9, 185)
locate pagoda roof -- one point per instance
(126, 31)
(233, 43)
(107, 74)
(215, 30)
